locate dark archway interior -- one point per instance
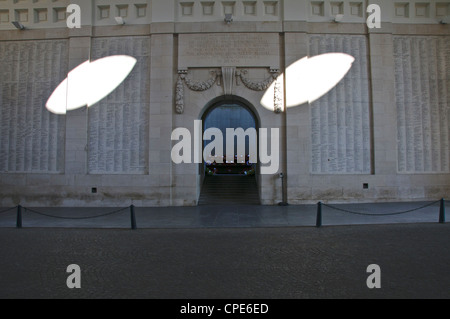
(233, 116)
(234, 180)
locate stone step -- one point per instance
(229, 190)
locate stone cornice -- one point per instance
(254, 27)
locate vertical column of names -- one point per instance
(118, 124)
(32, 139)
(422, 90)
(340, 120)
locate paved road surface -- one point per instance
(292, 263)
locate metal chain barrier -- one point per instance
(19, 215)
(441, 211)
(318, 217)
(7, 210)
(386, 214)
(75, 218)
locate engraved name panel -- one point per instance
(31, 138)
(340, 120)
(422, 90)
(118, 124)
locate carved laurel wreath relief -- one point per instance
(227, 77)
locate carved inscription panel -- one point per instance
(221, 50)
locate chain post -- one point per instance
(442, 212)
(19, 217)
(319, 215)
(133, 217)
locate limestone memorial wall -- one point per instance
(381, 134)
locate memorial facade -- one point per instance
(381, 132)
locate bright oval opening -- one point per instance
(89, 83)
(308, 79)
(106, 75)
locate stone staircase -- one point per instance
(229, 190)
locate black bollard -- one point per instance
(319, 215)
(283, 193)
(133, 217)
(442, 212)
(19, 217)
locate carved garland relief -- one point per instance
(227, 74)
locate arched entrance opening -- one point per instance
(230, 180)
